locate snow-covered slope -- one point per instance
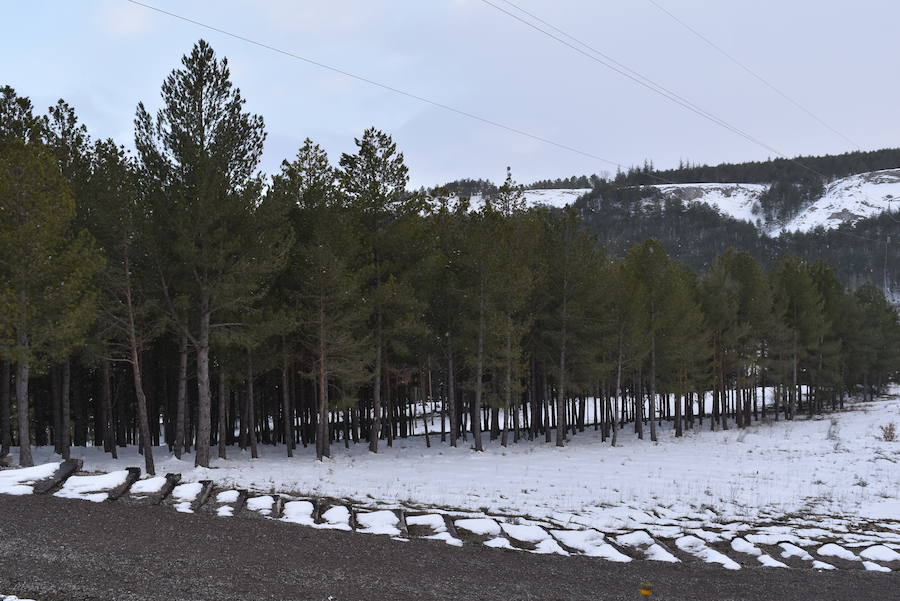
(734, 200)
(845, 200)
(849, 199)
(550, 197)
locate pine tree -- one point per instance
(46, 299)
(199, 158)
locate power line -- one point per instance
(610, 63)
(389, 88)
(753, 73)
(638, 78)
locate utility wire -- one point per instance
(753, 73)
(640, 79)
(393, 89)
(610, 63)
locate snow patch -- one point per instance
(91, 488)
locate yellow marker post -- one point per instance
(646, 589)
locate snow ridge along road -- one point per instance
(714, 533)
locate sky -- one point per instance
(837, 59)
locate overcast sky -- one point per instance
(837, 58)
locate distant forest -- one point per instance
(622, 211)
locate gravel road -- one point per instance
(62, 550)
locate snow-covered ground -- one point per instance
(849, 199)
(551, 197)
(807, 481)
(733, 200)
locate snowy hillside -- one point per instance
(849, 199)
(845, 200)
(734, 200)
(551, 197)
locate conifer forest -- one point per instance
(174, 295)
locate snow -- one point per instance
(733, 200)
(184, 507)
(91, 488)
(835, 550)
(261, 504)
(227, 496)
(336, 518)
(549, 197)
(821, 565)
(20, 481)
(743, 546)
(187, 491)
(431, 520)
(148, 486)
(791, 550)
(499, 543)
(697, 547)
(849, 199)
(446, 537)
(12, 597)
(874, 567)
(651, 549)
(378, 522)
(591, 543)
(525, 533)
(845, 200)
(480, 526)
(549, 546)
(792, 482)
(298, 512)
(226, 511)
(880, 553)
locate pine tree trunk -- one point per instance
(375, 427)
(204, 403)
(5, 408)
(323, 443)
(23, 368)
(109, 419)
(451, 395)
(479, 372)
(286, 400)
(223, 413)
(181, 408)
(251, 409)
(561, 392)
(65, 409)
(652, 405)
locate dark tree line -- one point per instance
(178, 297)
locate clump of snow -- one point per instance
(481, 526)
(880, 553)
(525, 533)
(261, 504)
(91, 488)
(431, 520)
(187, 491)
(148, 486)
(227, 496)
(549, 546)
(874, 567)
(697, 547)
(835, 550)
(638, 538)
(378, 522)
(184, 507)
(20, 481)
(446, 537)
(12, 597)
(298, 512)
(791, 550)
(499, 543)
(225, 511)
(650, 548)
(336, 518)
(821, 565)
(743, 546)
(591, 543)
